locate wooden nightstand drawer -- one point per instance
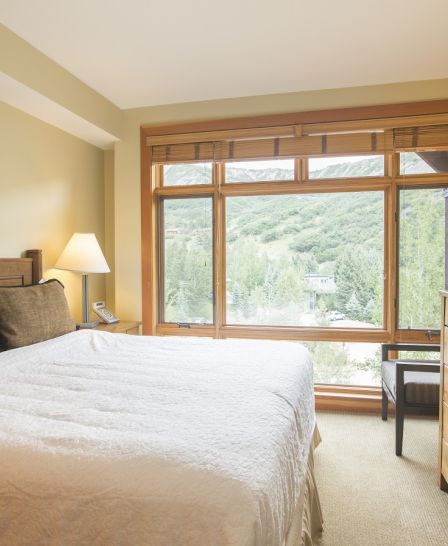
(443, 414)
(122, 327)
(444, 418)
(445, 384)
(445, 345)
(444, 459)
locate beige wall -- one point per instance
(51, 184)
(109, 224)
(127, 156)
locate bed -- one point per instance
(110, 439)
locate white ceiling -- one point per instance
(143, 52)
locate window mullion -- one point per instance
(390, 259)
(218, 249)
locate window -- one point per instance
(187, 261)
(260, 171)
(421, 257)
(305, 260)
(346, 363)
(180, 174)
(346, 166)
(419, 355)
(423, 163)
(329, 233)
(412, 163)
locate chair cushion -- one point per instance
(419, 387)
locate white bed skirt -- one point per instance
(306, 527)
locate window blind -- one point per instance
(433, 137)
(280, 147)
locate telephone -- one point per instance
(99, 307)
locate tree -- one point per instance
(354, 308)
(421, 254)
(358, 283)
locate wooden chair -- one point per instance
(412, 385)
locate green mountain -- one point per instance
(371, 166)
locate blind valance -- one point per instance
(295, 141)
(274, 148)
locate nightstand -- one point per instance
(122, 327)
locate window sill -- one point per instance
(348, 398)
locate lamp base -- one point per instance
(87, 325)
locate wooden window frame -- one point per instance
(220, 192)
(355, 119)
(161, 257)
(414, 335)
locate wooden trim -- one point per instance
(193, 330)
(301, 333)
(277, 332)
(391, 241)
(148, 248)
(305, 333)
(220, 256)
(338, 185)
(351, 398)
(349, 389)
(435, 180)
(416, 336)
(210, 136)
(308, 117)
(350, 403)
(160, 254)
(375, 124)
(187, 191)
(258, 142)
(315, 185)
(388, 164)
(387, 260)
(217, 273)
(336, 401)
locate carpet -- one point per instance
(371, 497)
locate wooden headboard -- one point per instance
(21, 271)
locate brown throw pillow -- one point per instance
(30, 314)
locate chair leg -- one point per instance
(384, 405)
(399, 422)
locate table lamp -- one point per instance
(83, 255)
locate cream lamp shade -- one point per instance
(83, 254)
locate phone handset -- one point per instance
(99, 307)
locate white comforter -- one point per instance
(109, 439)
